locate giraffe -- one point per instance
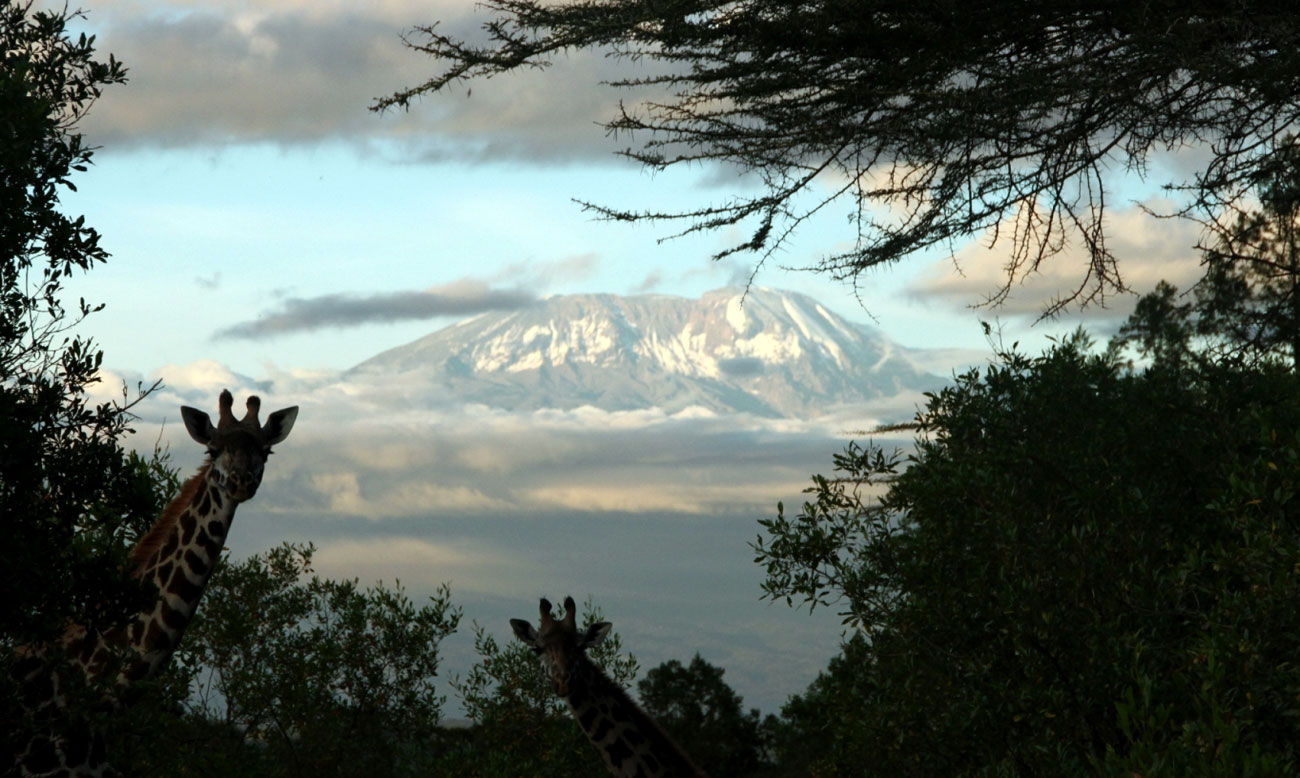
(631, 743)
(177, 556)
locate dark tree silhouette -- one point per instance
(933, 121)
(71, 498)
(705, 715)
(63, 476)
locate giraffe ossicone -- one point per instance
(632, 744)
(177, 555)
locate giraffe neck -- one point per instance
(631, 743)
(177, 556)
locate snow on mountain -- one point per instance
(766, 352)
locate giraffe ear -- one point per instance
(524, 631)
(278, 425)
(197, 424)
(595, 633)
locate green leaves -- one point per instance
(65, 483)
(302, 675)
(520, 726)
(816, 557)
(704, 716)
(1082, 568)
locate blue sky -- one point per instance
(242, 182)
(212, 238)
(241, 167)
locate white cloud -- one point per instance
(352, 454)
(1147, 249)
(216, 72)
(649, 512)
(341, 491)
(665, 496)
(203, 376)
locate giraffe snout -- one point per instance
(241, 488)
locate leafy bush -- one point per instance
(283, 673)
(1084, 567)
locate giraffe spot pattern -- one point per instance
(156, 638)
(38, 689)
(210, 544)
(187, 524)
(630, 743)
(196, 563)
(587, 718)
(98, 659)
(601, 730)
(617, 753)
(77, 749)
(41, 755)
(183, 587)
(163, 574)
(84, 650)
(169, 548)
(173, 617)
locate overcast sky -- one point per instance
(268, 232)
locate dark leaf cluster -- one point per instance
(1083, 568)
(519, 726)
(706, 717)
(1245, 309)
(285, 673)
(71, 497)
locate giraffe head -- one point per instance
(560, 644)
(238, 448)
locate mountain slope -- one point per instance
(773, 354)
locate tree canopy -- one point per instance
(930, 121)
(1082, 568)
(520, 726)
(1246, 307)
(1087, 565)
(284, 673)
(71, 497)
(705, 716)
(67, 489)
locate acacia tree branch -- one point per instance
(964, 117)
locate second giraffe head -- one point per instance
(560, 644)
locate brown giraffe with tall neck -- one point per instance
(177, 556)
(631, 743)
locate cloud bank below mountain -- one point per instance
(649, 512)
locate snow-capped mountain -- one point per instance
(764, 351)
